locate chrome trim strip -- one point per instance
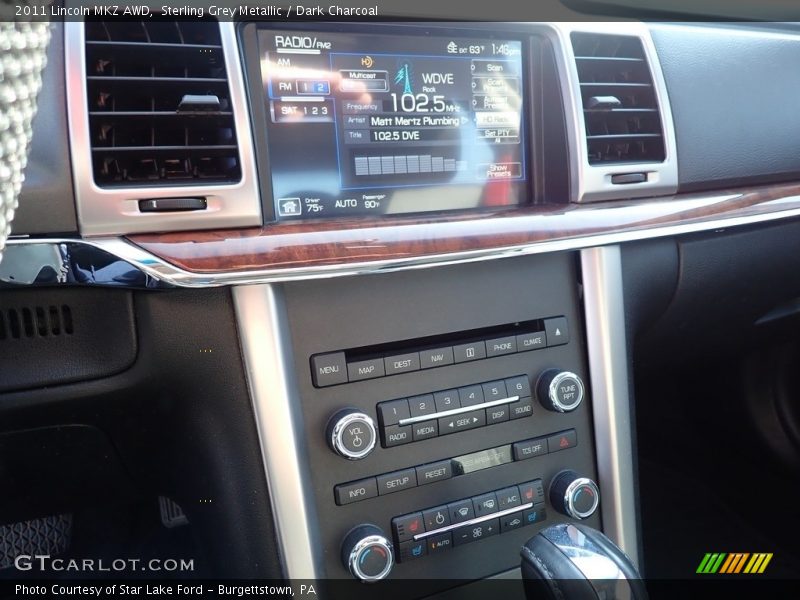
(115, 211)
(475, 521)
(458, 411)
(613, 429)
(261, 320)
(593, 182)
(172, 275)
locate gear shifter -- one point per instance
(574, 561)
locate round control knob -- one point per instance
(352, 434)
(559, 391)
(367, 553)
(574, 495)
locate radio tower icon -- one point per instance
(405, 78)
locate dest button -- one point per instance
(402, 363)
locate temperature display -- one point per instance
(368, 124)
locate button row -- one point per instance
(441, 413)
(332, 368)
(440, 528)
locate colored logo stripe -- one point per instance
(733, 563)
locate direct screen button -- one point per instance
(356, 491)
(470, 420)
(438, 471)
(390, 483)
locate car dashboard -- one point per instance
(380, 301)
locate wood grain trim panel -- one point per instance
(343, 241)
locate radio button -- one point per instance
(468, 352)
(407, 526)
(438, 471)
(522, 408)
(470, 420)
(519, 386)
(396, 435)
(494, 390)
(485, 504)
(421, 405)
(437, 357)
(425, 430)
(389, 483)
(461, 511)
(436, 518)
(356, 491)
(501, 346)
(402, 363)
(440, 543)
(471, 395)
(508, 498)
(391, 413)
(446, 400)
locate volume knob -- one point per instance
(559, 391)
(367, 554)
(352, 434)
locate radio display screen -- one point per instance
(366, 124)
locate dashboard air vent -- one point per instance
(159, 104)
(620, 106)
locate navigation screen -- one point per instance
(370, 124)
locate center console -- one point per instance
(446, 416)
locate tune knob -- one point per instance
(574, 495)
(352, 434)
(367, 554)
(559, 391)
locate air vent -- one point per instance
(620, 106)
(159, 104)
(35, 321)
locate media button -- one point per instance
(438, 471)
(425, 430)
(469, 352)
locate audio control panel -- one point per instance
(446, 416)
